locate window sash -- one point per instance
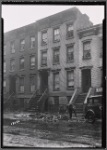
(32, 88)
(22, 63)
(44, 58)
(87, 54)
(22, 88)
(70, 53)
(56, 81)
(44, 61)
(32, 83)
(71, 83)
(56, 34)
(21, 84)
(32, 42)
(4, 50)
(44, 37)
(12, 47)
(87, 46)
(56, 56)
(12, 65)
(22, 45)
(70, 79)
(4, 66)
(70, 28)
(32, 61)
(4, 83)
(70, 56)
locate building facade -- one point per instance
(61, 54)
(62, 59)
(20, 63)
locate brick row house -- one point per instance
(20, 64)
(59, 60)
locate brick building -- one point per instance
(20, 64)
(68, 56)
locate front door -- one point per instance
(86, 80)
(44, 81)
(12, 84)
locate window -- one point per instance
(32, 62)
(70, 79)
(4, 50)
(70, 53)
(22, 45)
(32, 83)
(56, 83)
(21, 84)
(44, 58)
(87, 50)
(70, 31)
(32, 42)
(22, 63)
(12, 47)
(4, 85)
(56, 56)
(56, 35)
(4, 66)
(44, 37)
(12, 65)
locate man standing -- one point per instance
(71, 109)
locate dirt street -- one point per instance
(25, 130)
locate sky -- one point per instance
(16, 16)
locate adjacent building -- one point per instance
(20, 63)
(61, 54)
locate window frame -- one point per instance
(34, 81)
(68, 54)
(4, 52)
(22, 44)
(4, 66)
(20, 63)
(56, 40)
(32, 67)
(4, 87)
(32, 42)
(12, 43)
(70, 80)
(20, 84)
(42, 40)
(12, 59)
(54, 83)
(42, 64)
(68, 36)
(55, 56)
(84, 50)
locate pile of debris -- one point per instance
(49, 117)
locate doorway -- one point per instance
(44, 81)
(86, 80)
(12, 84)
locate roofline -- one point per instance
(20, 28)
(59, 13)
(89, 28)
